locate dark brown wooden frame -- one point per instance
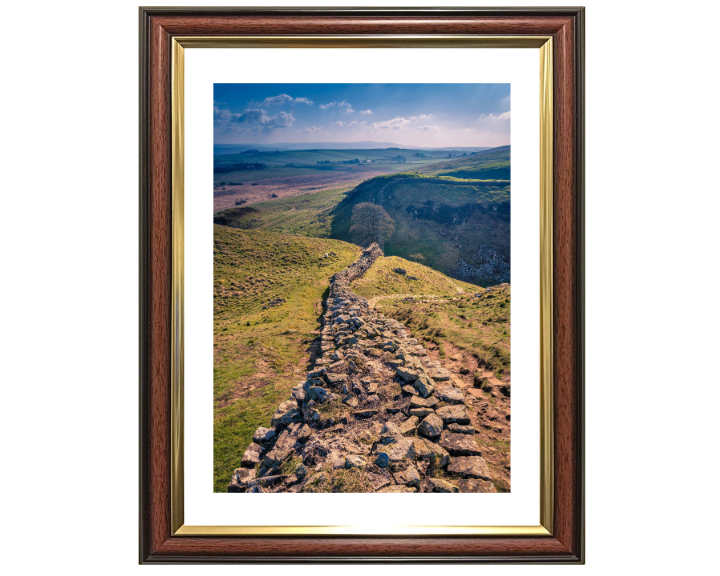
(157, 27)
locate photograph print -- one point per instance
(361, 288)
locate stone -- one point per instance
(439, 485)
(453, 414)
(408, 477)
(389, 433)
(417, 402)
(427, 450)
(285, 418)
(305, 433)
(301, 471)
(403, 449)
(409, 425)
(459, 444)
(424, 385)
(285, 441)
(336, 379)
(407, 374)
(382, 459)
(473, 485)
(460, 429)
(317, 394)
(355, 461)
(469, 467)
(410, 390)
(431, 426)
(365, 413)
(421, 412)
(263, 435)
(318, 373)
(449, 394)
(267, 481)
(250, 459)
(310, 382)
(379, 481)
(274, 458)
(299, 395)
(351, 401)
(396, 490)
(438, 373)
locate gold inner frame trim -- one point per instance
(545, 46)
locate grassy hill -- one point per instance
(443, 311)
(488, 164)
(308, 215)
(261, 350)
(392, 275)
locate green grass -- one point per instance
(381, 280)
(259, 355)
(480, 326)
(307, 215)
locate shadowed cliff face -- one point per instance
(375, 414)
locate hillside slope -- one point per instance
(376, 413)
(268, 290)
(461, 228)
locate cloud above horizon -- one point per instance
(251, 120)
(339, 105)
(281, 99)
(434, 115)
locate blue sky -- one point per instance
(438, 115)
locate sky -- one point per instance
(414, 115)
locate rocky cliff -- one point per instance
(375, 414)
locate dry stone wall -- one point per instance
(373, 415)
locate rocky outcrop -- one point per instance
(373, 415)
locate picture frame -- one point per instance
(164, 35)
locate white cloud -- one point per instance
(251, 120)
(282, 99)
(503, 116)
(428, 127)
(340, 123)
(394, 124)
(368, 111)
(423, 117)
(356, 123)
(344, 104)
(314, 130)
(469, 130)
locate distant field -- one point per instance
(307, 215)
(459, 226)
(312, 157)
(249, 186)
(260, 354)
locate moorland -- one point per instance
(286, 221)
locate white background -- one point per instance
(519, 68)
(69, 290)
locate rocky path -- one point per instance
(375, 414)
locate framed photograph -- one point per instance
(360, 228)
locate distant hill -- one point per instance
(493, 163)
(450, 215)
(219, 149)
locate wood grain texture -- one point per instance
(157, 27)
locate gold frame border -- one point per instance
(545, 45)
